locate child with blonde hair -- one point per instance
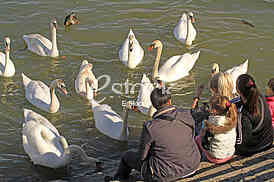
(218, 137)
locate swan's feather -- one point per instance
(138, 51)
(236, 71)
(143, 99)
(180, 30)
(41, 141)
(38, 44)
(178, 67)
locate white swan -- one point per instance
(7, 68)
(109, 122)
(144, 104)
(40, 95)
(44, 145)
(184, 31)
(84, 78)
(235, 72)
(175, 67)
(42, 46)
(131, 53)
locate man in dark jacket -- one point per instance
(167, 150)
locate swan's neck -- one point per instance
(54, 42)
(7, 57)
(130, 55)
(124, 133)
(77, 149)
(188, 40)
(53, 106)
(157, 62)
(89, 91)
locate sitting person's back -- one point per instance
(255, 130)
(217, 139)
(172, 151)
(270, 98)
(167, 149)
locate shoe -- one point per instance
(111, 179)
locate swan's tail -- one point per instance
(26, 80)
(195, 55)
(245, 66)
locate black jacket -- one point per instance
(256, 136)
(167, 148)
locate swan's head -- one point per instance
(191, 17)
(60, 84)
(88, 66)
(215, 69)
(155, 44)
(53, 24)
(71, 19)
(7, 43)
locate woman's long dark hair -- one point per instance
(247, 87)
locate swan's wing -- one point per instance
(143, 99)
(38, 93)
(2, 62)
(123, 52)
(236, 71)
(80, 85)
(33, 116)
(38, 44)
(108, 121)
(178, 66)
(180, 30)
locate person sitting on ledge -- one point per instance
(270, 98)
(167, 149)
(217, 139)
(255, 132)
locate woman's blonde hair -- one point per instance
(222, 84)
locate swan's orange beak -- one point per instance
(64, 90)
(192, 20)
(150, 48)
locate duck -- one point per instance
(7, 68)
(40, 45)
(71, 19)
(175, 67)
(184, 31)
(41, 96)
(45, 146)
(235, 72)
(131, 53)
(84, 76)
(108, 122)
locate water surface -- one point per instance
(221, 38)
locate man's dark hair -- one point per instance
(159, 97)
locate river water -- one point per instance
(221, 38)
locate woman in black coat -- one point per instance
(255, 133)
